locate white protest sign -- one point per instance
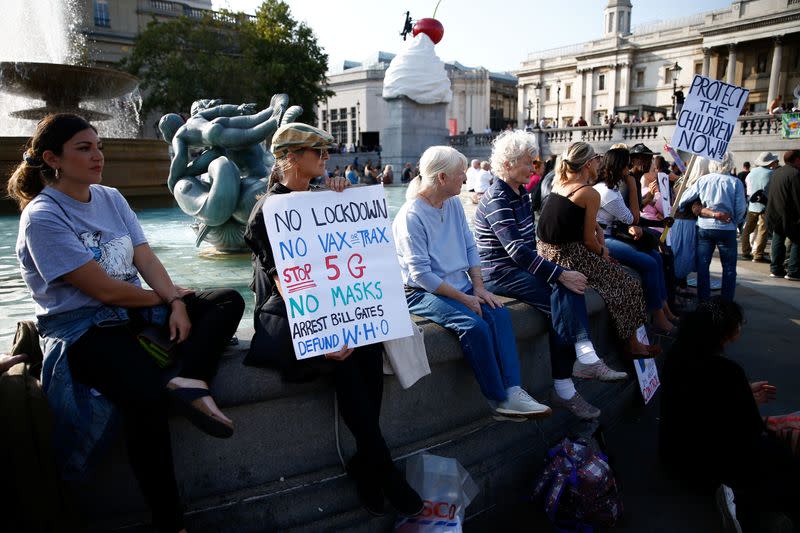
(708, 117)
(646, 372)
(338, 269)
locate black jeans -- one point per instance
(358, 380)
(111, 360)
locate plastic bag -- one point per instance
(446, 489)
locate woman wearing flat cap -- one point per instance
(300, 153)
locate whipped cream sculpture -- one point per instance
(417, 72)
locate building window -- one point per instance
(761, 63)
(610, 22)
(568, 91)
(639, 78)
(698, 67)
(547, 94)
(621, 25)
(334, 115)
(101, 17)
(601, 82)
(324, 120)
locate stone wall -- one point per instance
(281, 470)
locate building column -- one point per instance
(589, 85)
(706, 61)
(524, 93)
(625, 84)
(775, 72)
(612, 90)
(578, 96)
(731, 64)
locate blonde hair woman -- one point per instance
(301, 152)
(442, 272)
(570, 236)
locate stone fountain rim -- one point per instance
(61, 68)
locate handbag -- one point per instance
(646, 243)
(759, 197)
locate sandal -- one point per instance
(199, 415)
(671, 332)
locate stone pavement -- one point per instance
(769, 349)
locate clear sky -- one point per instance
(496, 34)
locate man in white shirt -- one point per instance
(483, 178)
(472, 174)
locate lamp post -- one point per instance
(538, 87)
(676, 72)
(358, 124)
(529, 107)
(558, 103)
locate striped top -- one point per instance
(504, 235)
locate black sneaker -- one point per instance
(369, 488)
(747, 256)
(401, 496)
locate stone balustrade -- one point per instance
(753, 134)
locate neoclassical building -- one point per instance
(752, 43)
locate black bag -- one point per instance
(759, 197)
(646, 243)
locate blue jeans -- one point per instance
(569, 321)
(648, 264)
(488, 342)
(725, 240)
(778, 256)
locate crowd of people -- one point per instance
(82, 253)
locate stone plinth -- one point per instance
(412, 128)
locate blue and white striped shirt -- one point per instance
(505, 236)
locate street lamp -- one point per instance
(538, 87)
(529, 107)
(358, 123)
(676, 72)
(558, 102)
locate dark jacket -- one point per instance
(783, 209)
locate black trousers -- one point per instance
(111, 360)
(358, 380)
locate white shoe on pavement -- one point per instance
(520, 403)
(598, 370)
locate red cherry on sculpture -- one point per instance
(430, 27)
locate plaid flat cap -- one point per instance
(296, 135)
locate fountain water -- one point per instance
(41, 51)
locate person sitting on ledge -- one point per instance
(301, 151)
(570, 236)
(504, 235)
(633, 251)
(732, 447)
(442, 273)
(81, 250)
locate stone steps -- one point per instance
(282, 464)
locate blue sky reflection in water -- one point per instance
(169, 233)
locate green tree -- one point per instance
(230, 56)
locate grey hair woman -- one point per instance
(441, 269)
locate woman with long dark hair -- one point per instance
(614, 213)
(81, 251)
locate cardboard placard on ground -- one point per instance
(646, 372)
(707, 120)
(338, 268)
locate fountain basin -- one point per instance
(63, 87)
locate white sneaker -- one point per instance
(520, 403)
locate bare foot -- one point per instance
(207, 401)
